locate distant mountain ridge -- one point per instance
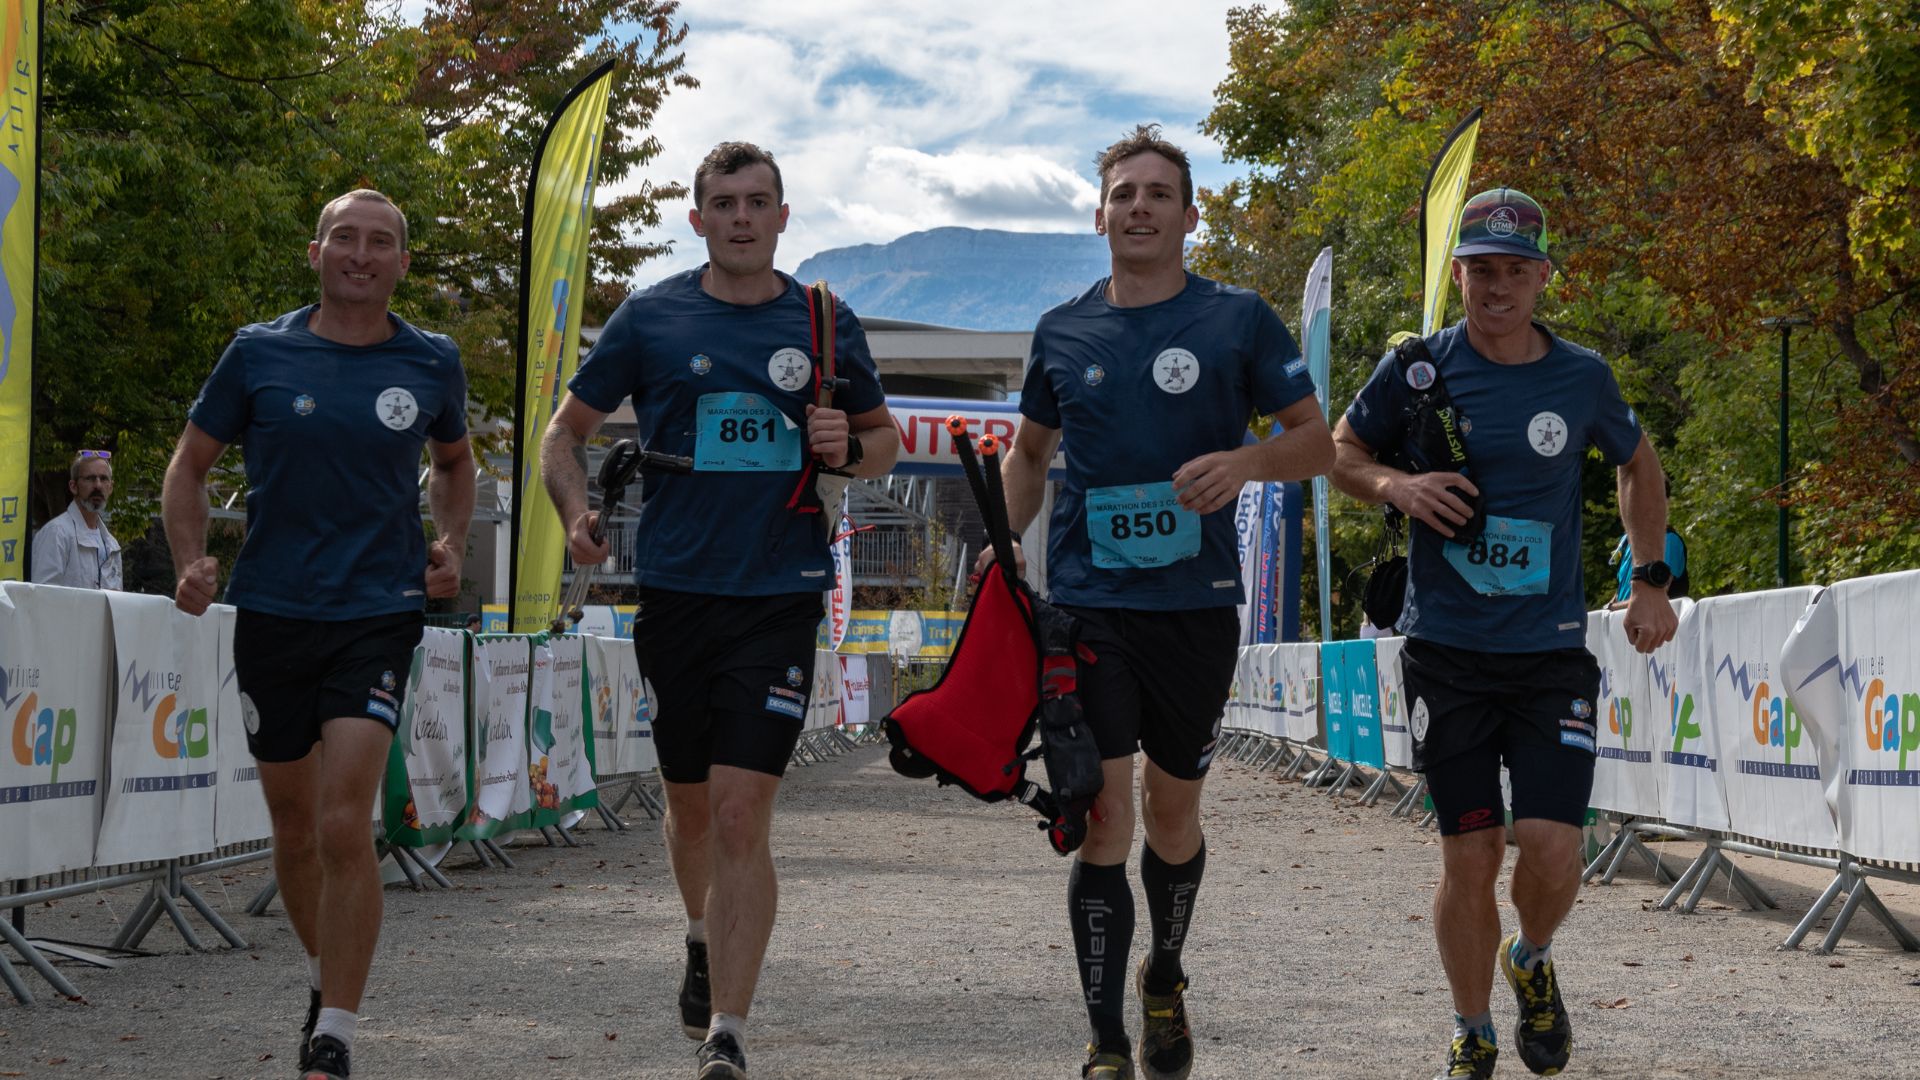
(977, 279)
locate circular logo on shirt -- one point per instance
(1420, 719)
(794, 678)
(1466, 425)
(1420, 375)
(789, 369)
(386, 680)
(303, 405)
(700, 364)
(1094, 375)
(1547, 434)
(396, 408)
(1176, 370)
(249, 714)
(1503, 221)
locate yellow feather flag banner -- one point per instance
(19, 264)
(1440, 205)
(553, 282)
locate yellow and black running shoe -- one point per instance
(1544, 1035)
(1470, 1057)
(1166, 1042)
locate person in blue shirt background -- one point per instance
(1151, 376)
(730, 563)
(1675, 558)
(333, 405)
(1496, 666)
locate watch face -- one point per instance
(1656, 574)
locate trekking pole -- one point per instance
(999, 533)
(624, 459)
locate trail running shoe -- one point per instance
(1471, 1057)
(1166, 1043)
(1544, 1035)
(326, 1060)
(1108, 1063)
(721, 1058)
(696, 994)
(306, 1029)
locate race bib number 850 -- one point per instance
(1140, 526)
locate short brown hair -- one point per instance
(729, 158)
(338, 203)
(1145, 140)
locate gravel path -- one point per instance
(923, 934)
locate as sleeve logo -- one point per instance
(396, 408)
(1176, 371)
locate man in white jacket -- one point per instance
(75, 549)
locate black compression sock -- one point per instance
(1170, 894)
(1100, 907)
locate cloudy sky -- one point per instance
(888, 120)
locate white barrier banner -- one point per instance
(1625, 779)
(431, 740)
(1253, 684)
(1854, 667)
(1395, 730)
(562, 764)
(54, 704)
(239, 802)
(637, 705)
(164, 762)
(502, 673)
(1693, 762)
(603, 685)
(856, 692)
(1299, 674)
(1240, 695)
(823, 707)
(1769, 768)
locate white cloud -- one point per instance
(887, 121)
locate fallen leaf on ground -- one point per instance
(1616, 1003)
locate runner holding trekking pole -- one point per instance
(731, 562)
(1151, 376)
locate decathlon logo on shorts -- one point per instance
(396, 408)
(249, 714)
(1420, 375)
(788, 369)
(1547, 434)
(1176, 370)
(1420, 719)
(303, 405)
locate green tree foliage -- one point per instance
(189, 146)
(1703, 165)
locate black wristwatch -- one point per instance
(1656, 573)
(855, 452)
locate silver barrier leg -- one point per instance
(1411, 800)
(656, 809)
(211, 916)
(499, 853)
(1819, 908)
(565, 836)
(632, 786)
(1749, 889)
(1856, 893)
(1379, 787)
(140, 923)
(1908, 943)
(425, 868)
(480, 852)
(263, 899)
(1345, 778)
(38, 962)
(1694, 870)
(389, 851)
(612, 822)
(1715, 861)
(1609, 857)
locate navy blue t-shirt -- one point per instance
(332, 436)
(1527, 428)
(682, 354)
(1138, 392)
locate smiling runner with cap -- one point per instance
(1496, 665)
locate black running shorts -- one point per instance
(731, 677)
(1473, 711)
(295, 674)
(1160, 682)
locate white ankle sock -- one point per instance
(735, 1026)
(313, 972)
(337, 1023)
(697, 930)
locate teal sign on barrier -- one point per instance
(1333, 676)
(1363, 704)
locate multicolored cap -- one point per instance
(1502, 222)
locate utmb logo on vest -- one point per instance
(177, 733)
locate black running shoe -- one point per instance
(1544, 1034)
(1166, 1043)
(306, 1029)
(696, 994)
(1108, 1063)
(326, 1060)
(1470, 1058)
(720, 1058)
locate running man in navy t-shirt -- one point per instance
(732, 560)
(1496, 664)
(1151, 377)
(333, 405)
